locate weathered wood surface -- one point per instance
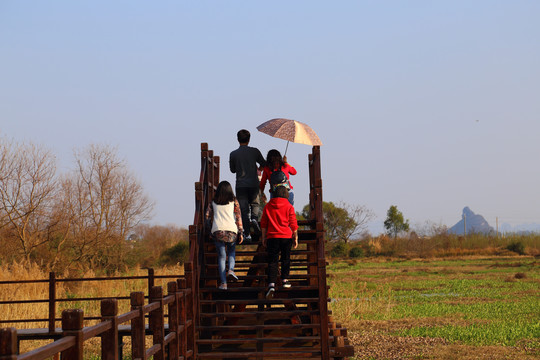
(204, 322)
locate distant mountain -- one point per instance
(520, 228)
(475, 223)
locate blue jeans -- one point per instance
(223, 249)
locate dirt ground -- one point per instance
(372, 343)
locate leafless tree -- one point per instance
(104, 202)
(27, 188)
(430, 229)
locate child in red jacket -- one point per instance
(279, 232)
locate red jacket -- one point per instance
(279, 218)
(267, 171)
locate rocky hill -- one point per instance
(475, 223)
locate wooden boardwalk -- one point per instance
(197, 320)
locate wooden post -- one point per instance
(182, 317)
(151, 280)
(138, 327)
(215, 180)
(317, 214)
(109, 339)
(52, 302)
(72, 324)
(174, 345)
(190, 307)
(156, 322)
(8, 344)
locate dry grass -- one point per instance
(65, 290)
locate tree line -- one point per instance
(79, 219)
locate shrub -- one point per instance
(517, 247)
(175, 255)
(339, 250)
(356, 252)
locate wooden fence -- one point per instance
(174, 341)
(53, 300)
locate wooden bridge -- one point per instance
(196, 320)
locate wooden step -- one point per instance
(260, 315)
(252, 340)
(293, 353)
(260, 301)
(248, 264)
(252, 253)
(256, 289)
(241, 278)
(269, 327)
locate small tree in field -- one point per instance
(395, 223)
(342, 221)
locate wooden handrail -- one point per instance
(53, 299)
(74, 334)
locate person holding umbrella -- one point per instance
(243, 162)
(277, 172)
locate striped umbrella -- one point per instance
(290, 130)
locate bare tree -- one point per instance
(27, 188)
(104, 202)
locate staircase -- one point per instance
(240, 323)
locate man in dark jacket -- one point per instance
(243, 162)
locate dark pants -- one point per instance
(248, 199)
(274, 247)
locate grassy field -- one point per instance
(453, 308)
(459, 308)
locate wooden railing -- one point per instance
(204, 192)
(182, 304)
(316, 214)
(53, 300)
(167, 341)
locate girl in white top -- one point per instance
(226, 225)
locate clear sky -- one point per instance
(428, 105)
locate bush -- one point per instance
(356, 252)
(175, 255)
(517, 247)
(339, 250)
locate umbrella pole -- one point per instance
(286, 148)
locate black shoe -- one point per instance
(256, 227)
(270, 293)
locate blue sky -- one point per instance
(428, 105)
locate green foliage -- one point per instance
(356, 252)
(339, 224)
(175, 255)
(517, 247)
(395, 223)
(339, 250)
(479, 302)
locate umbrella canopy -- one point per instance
(290, 130)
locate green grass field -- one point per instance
(474, 303)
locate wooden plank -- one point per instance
(49, 350)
